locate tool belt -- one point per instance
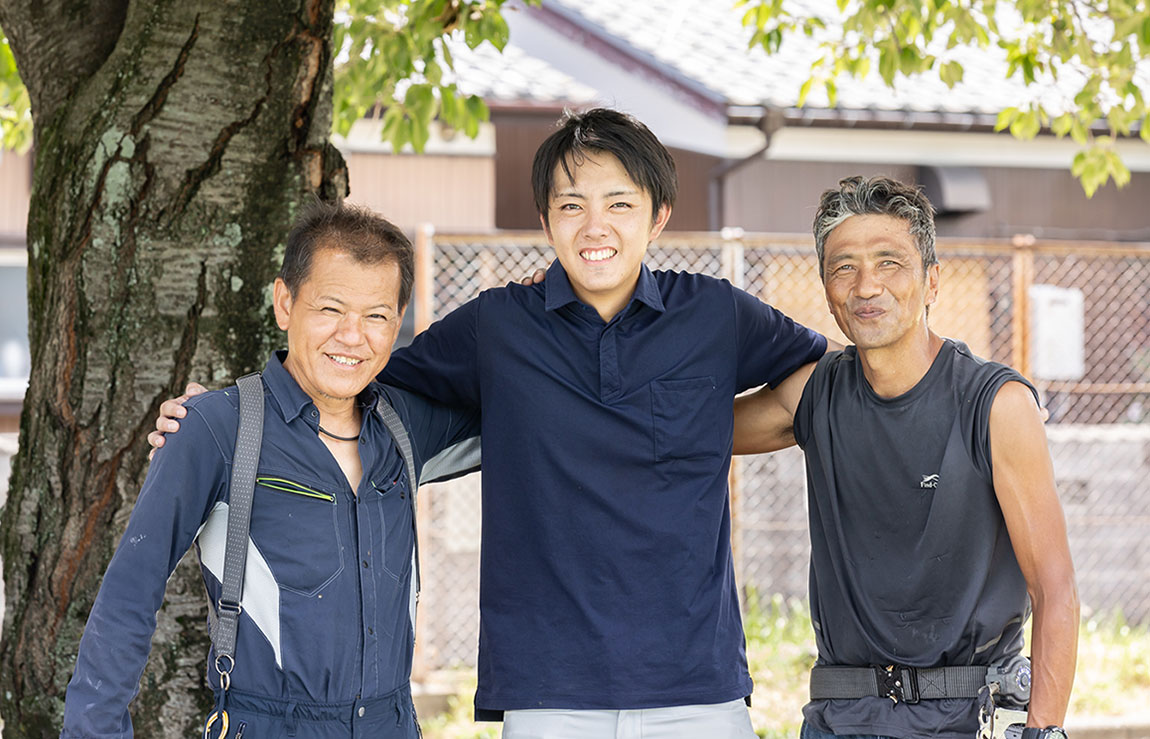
(900, 683)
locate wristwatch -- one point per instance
(1021, 731)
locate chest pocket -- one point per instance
(684, 416)
(388, 510)
(295, 525)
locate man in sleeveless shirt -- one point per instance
(935, 524)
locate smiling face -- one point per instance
(875, 285)
(341, 325)
(600, 223)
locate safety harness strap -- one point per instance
(398, 431)
(241, 491)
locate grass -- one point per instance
(1113, 676)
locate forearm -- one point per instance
(1054, 651)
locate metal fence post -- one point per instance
(1022, 276)
(734, 269)
(424, 292)
(423, 297)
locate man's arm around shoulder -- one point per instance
(765, 419)
(1024, 485)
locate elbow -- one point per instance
(1057, 594)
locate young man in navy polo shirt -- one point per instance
(607, 596)
(608, 605)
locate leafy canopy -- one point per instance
(15, 113)
(390, 53)
(394, 54)
(1096, 46)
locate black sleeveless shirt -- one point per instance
(911, 562)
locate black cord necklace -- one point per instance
(325, 432)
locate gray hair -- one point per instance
(857, 196)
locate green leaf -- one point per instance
(392, 120)
(804, 90)
(1062, 124)
(419, 98)
(887, 64)
(477, 109)
(1026, 125)
(951, 73)
(419, 133)
(1005, 117)
(1080, 131)
(496, 29)
(910, 61)
(1117, 170)
(1144, 130)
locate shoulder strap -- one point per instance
(398, 431)
(244, 464)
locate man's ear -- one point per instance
(282, 303)
(932, 275)
(661, 218)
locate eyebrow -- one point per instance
(881, 253)
(332, 298)
(581, 196)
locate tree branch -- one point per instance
(59, 44)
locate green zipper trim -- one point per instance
(287, 486)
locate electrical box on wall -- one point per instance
(1057, 337)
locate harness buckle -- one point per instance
(227, 605)
(897, 682)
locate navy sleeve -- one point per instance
(441, 363)
(185, 480)
(445, 439)
(769, 345)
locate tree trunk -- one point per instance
(175, 140)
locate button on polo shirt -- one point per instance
(605, 572)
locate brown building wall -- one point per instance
(15, 188)
(781, 197)
(451, 192)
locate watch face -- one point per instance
(1055, 732)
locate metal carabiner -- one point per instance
(225, 672)
(223, 717)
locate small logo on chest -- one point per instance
(929, 481)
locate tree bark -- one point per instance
(175, 140)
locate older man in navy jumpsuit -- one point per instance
(325, 638)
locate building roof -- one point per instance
(699, 48)
(514, 77)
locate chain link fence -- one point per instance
(1075, 318)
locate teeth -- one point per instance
(348, 361)
(597, 255)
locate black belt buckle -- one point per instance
(897, 682)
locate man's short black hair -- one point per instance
(642, 155)
(366, 236)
